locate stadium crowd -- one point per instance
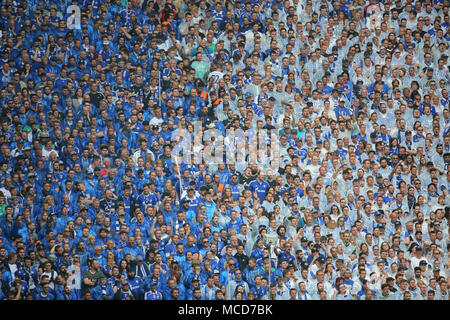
(99, 97)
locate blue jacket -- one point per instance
(100, 292)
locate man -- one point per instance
(241, 257)
(153, 293)
(103, 291)
(237, 281)
(124, 293)
(45, 293)
(209, 289)
(385, 293)
(259, 187)
(302, 293)
(92, 276)
(142, 269)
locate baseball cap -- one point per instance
(378, 212)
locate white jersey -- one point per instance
(216, 75)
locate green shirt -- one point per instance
(93, 277)
(2, 210)
(201, 68)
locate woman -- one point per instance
(394, 146)
(364, 249)
(341, 293)
(42, 221)
(228, 195)
(239, 296)
(289, 93)
(77, 99)
(436, 104)
(330, 274)
(330, 226)
(123, 265)
(341, 224)
(384, 246)
(415, 88)
(335, 212)
(110, 263)
(306, 91)
(276, 214)
(298, 103)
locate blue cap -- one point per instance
(378, 212)
(19, 273)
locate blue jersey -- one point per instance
(259, 188)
